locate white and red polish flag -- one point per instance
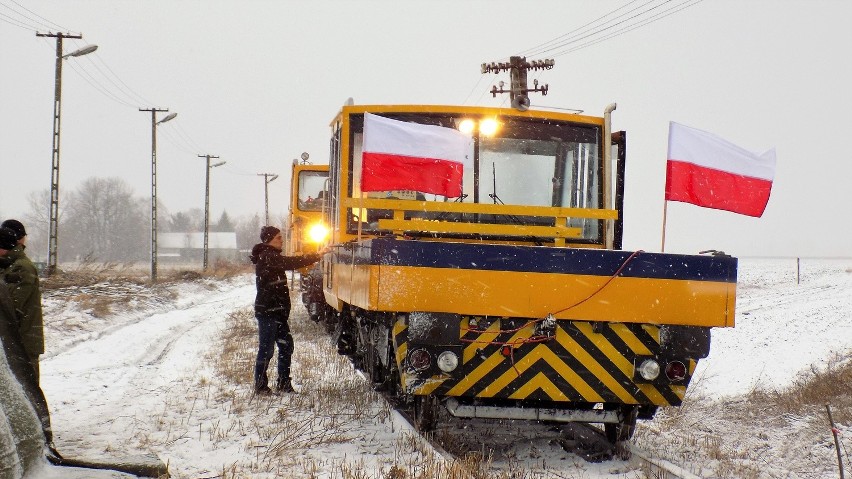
(708, 171)
(398, 155)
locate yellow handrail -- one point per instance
(481, 208)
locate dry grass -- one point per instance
(786, 428)
(88, 273)
(831, 384)
(219, 269)
(334, 406)
(103, 288)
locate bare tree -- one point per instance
(37, 222)
(248, 232)
(104, 222)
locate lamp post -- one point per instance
(154, 124)
(53, 238)
(266, 181)
(207, 202)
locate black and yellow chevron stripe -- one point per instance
(579, 363)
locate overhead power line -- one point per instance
(629, 20)
(628, 28)
(187, 138)
(115, 80)
(16, 23)
(17, 18)
(97, 85)
(534, 50)
(605, 27)
(97, 73)
(180, 145)
(54, 26)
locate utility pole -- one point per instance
(517, 68)
(266, 181)
(54, 171)
(154, 124)
(207, 202)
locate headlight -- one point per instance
(317, 232)
(488, 126)
(466, 126)
(448, 361)
(649, 369)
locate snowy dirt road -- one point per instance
(98, 389)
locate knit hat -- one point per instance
(267, 233)
(8, 238)
(15, 226)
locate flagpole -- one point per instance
(665, 210)
(360, 211)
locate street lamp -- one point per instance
(154, 124)
(266, 181)
(207, 202)
(53, 238)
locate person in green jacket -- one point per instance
(22, 277)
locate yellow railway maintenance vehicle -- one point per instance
(307, 229)
(514, 300)
(306, 226)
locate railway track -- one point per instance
(539, 450)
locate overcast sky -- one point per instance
(257, 83)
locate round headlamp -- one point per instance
(448, 361)
(649, 369)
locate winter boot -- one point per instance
(284, 386)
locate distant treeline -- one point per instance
(103, 221)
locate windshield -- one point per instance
(311, 195)
(527, 161)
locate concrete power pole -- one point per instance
(266, 181)
(207, 202)
(154, 124)
(53, 238)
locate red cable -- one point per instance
(541, 339)
(614, 275)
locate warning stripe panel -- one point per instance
(580, 363)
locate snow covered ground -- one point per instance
(141, 380)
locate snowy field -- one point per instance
(140, 380)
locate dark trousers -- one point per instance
(272, 330)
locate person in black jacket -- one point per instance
(272, 307)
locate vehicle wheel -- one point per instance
(376, 371)
(623, 430)
(391, 382)
(344, 336)
(329, 316)
(425, 413)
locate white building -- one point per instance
(181, 247)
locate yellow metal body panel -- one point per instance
(535, 295)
